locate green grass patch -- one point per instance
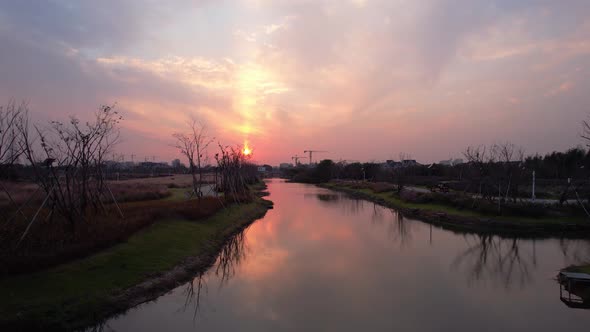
(579, 268)
(70, 291)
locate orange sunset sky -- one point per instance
(362, 79)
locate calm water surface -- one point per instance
(320, 261)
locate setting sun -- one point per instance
(247, 150)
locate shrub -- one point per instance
(381, 187)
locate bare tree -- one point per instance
(586, 132)
(400, 172)
(477, 157)
(10, 116)
(497, 170)
(193, 145)
(69, 164)
(235, 173)
(511, 159)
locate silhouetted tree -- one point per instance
(235, 173)
(69, 165)
(10, 117)
(324, 171)
(193, 145)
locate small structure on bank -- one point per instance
(574, 289)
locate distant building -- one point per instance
(111, 164)
(149, 164)
(409, 162)
(176, 163)
(392, 164)
(399, 164)
(285, 165)
(451, 162)
(128, 164)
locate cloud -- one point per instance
(562, 88)
(99, 27)
(391, 75)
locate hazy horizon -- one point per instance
(364, 80)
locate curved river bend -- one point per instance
(320, 261)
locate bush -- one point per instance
(381, 187)
(303, 177)
(408, 196)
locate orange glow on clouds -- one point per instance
(364, 91)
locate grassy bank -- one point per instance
(53, 242)
(579, 268)
(467, 219)
(78, 293)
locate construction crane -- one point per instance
(311, 154)
(296, 159)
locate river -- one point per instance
(320, 261)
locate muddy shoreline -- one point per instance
(477, 224)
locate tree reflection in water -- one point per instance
(377, 215)
(400, 229)
(502, 260)
(348, 205)
(576, 251)
(192, 296)
(101, 326)
(228, 259)
(509, 262)
(351, 206)
(232, 253)
(326, 198)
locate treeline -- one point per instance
(498, 170)
(574, 163)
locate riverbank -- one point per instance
(578, 268)
(466, 220)
(150, 263)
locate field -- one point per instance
(52, 240)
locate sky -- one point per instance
(364, 80)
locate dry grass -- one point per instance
(124, 191)
(53, 240)
(133, 190)
(20, 192)
(183, 180)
